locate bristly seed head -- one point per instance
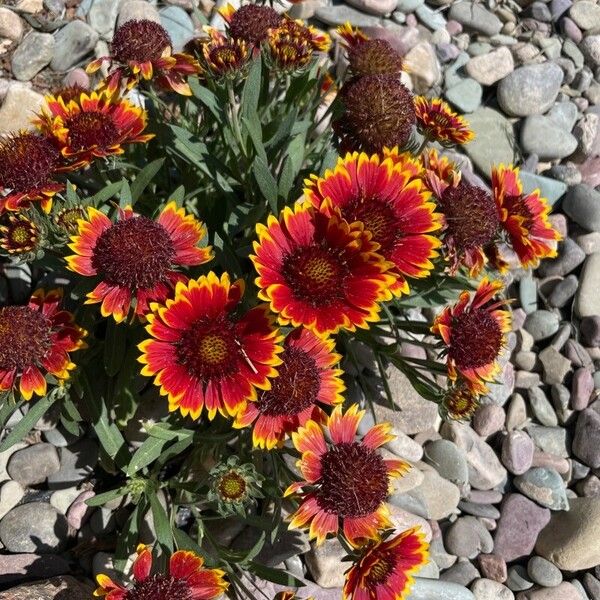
(354, 480)
(374, 57)
(135, 253)
(160, 587)
(252, 22)
(476, 339)
(92, 129)
(140, 41)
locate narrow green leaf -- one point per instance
(162, 526)
(277, 576)
(255, 550)
(144, 177)
(163, 431)
(287, 178)
(27, 423)
(7, 410)
(253, 127)
(207, 98)
(146, 454)
(115, 345)
(106, 193)
(266, 183)
(125, 196)
(174, 450)
(185, 542)
(251, 91)
(71, 192)
(104, 497)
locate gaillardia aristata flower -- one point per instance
(95, 125)
(250, 22)
(223, 56)
(142, 49)
(346, 481)
(186, 579)
(27, 162)
(460, 402)
(135, 258)
(319, 271)
(367, 56)
(203, 354)
(34, 340)
(307, 377)
(473, 331)
(385, 568)
(437, 121)
(390, 202)
(19, 235)
(377, 111)
(524, 217)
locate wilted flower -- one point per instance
(306, 378)
(186, 579)
(437, 121)
(34, 340)
(346, 481)
(390, 201)
(135, 258)
(201, 354)
(319, 271)
(377, 111)
(27, 162)
(524, 217)
(142, 49)
(19, 235)
(234, 486)
(95, 125)
(473, 331)
(385, 568)
(250, 22)
(224, 56)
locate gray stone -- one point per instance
(178, 24)
(339, 14)
(542, 324)
(570, 256)
(76, 463)
(528, 293)
(530, 89)
(422, 64)
(462, 573)
(34, 464)
(465, 95)
(487, 511)
(438, 497)
(489, 68)
(564, 114)
(549, 439)
(34, 527)
(517, 452)
(543, 572)
(518, 579)
(590, 331)
(375, 7)
(582, 204)
(467, 538)
(323, 563)
(570, 541)
(500, 391)
(488, 419)
(586, 14)
(11, 493)
(565, 591)
(540, 136)
(516, 415)
(563, 292)
(15, 568)
(102, 16)
(587, 300)
(137, 9)
(74, 42)
(448, 460)
(550, 188)
(11, 25)
(494, 141)
(19, 106)
(590, 46)
(431, 18)
(475, 17)
(488, 589)
(544, 486)
(32, 55)
(582, 387)
(586, 442)
(58, 588)
(426, 589)
(556, 368)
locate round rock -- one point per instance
(545, 486)
(543, 572)
(448, 460)
(582, 204)
(542, 324)
(487, 589)
(33, 465)
(517, 452)
(467, 538)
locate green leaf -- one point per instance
(253, 127)
(104, 497)
(207, 98)
(162, 526)
(146, 454)
(185, 542)
(106, 193)
(144, 177)
(128, 540)
(287, 178)
(266, 183)
(7, 410)
(115, 345)
(277, 576)
(163, 431)
(251, 91)
(71, 192)
(125, 196)
(27, 423)
(174, 450)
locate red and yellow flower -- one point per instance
(201, 355)
(346, 481)
(438, 172)
(135, 258)
(307, 378)
(320, 272)
(36, 339)
(437, 121)
(390, 202)
(95, 125)
(474, 332)
(27, 163)
(224, 56)
(250, 22)
(385, 568)
(19, 234)
(459, 402)
(142, 50)
(187, 579)
(524, 217)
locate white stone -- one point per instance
(18, 108)
(11, 493)
(11, 25)
(489, 68)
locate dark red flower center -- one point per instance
(374, 57)
(381, 568)
(378, 217)
(252, 22)
(160, 587)
(475, 340)
(378, 111)
(226, 57)
(354, 480)
(294, 389)
(140, 41)
(25, 337)
(20, 235)
(135, 253)
(316, 275)
(209, 349)
(517, 207)
(471, 216)
(92, 129)
(232, 486)
(26, 162)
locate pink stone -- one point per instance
(564, 591)
(550, 461)
(77, 77)
(79, 511)
(493, 567)
(559, 222)
(581, 389)
(15, 567)
(488, 419)
(453, 27)
(590, 171)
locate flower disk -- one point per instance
(200, 355)
(459, 403)
(374, 57)
(252, 22)
(140, 41)
(346, 481)
(319, 272)
(472, 223)
(20, 235)
(390, 202)
(222, 55)
(378, 111)
(160, 587)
